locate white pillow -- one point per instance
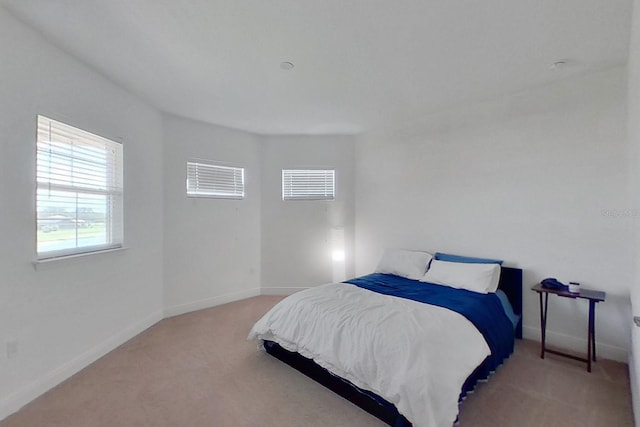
(482, 278)
(405, 263)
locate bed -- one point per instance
(378, 341)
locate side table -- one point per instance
(593, 297)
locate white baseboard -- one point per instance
(578, 345)
(26, 394)
(210, 302)
(280, 291)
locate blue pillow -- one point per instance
(459, 258)
(508, 309)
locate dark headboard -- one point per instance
(511, 284)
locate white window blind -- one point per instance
(208, 179)
(79, 197)
(308, 184)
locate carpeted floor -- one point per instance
(198, 370)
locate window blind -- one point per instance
(79, 196)
(308, 184)
(208, 179)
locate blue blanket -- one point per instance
(483, 310)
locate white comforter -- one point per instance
(416, 356)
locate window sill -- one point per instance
(39, 264)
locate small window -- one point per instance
(308, 184)
(79, 197)
(208, 179)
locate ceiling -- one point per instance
(359, 65)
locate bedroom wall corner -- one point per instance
(212, 246)
(296, 235)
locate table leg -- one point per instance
(592, 309)
(543, 321)
(591, 336)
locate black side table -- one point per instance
(593, 297)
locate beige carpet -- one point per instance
(198, 370)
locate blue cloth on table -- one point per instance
(483, 310)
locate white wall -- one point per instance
(212, 246)
(634, 141)
(221, 250)
(296, 235)
(538, 179)
(65, 314)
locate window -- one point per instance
(208, 179)
(308, 184)
(79, 196)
